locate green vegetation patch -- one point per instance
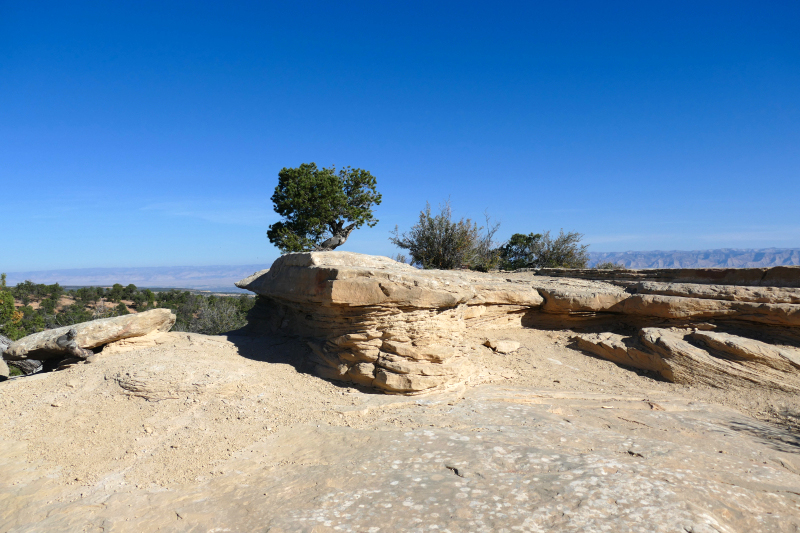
(32, 307)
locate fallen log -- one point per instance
(90, 334)
(28, 366)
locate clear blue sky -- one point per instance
(151, 133)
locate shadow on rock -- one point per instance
(283, 349)
(782, 434)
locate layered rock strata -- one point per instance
(387, 325)
(380, 323)
(691, 357)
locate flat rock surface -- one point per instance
(193, 433)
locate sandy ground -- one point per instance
(176, 411)
(203, 398)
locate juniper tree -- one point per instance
(321, 207)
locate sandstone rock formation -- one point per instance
(778, 276)
(45, 344)
(379, 323)
(729, 361)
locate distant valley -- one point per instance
(218, 278)
(221, 278)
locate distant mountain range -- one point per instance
(221, 278)
(213, 278)
(723, 258)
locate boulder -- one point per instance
(91, 334)
(502, 346)
(620, 349)
(5, 342)
(570, 300)
(750, 350)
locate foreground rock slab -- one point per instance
(240, 439)
(496, 459)
(91, 334)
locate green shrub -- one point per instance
(485, 251)
(210, 315)
(542, 251)
(218, 316)
(608, 265)
(10, 319)
(69, 315)
(520, 251)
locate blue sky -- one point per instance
(151, 134)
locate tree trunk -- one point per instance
(338, 238)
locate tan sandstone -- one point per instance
(379, 323)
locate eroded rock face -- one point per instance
(720, 360)
(379, 323)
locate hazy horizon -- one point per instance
(222, 277)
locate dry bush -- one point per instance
(439, 241)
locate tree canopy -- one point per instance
(520, 251)
(321, 207)
(542, 251)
